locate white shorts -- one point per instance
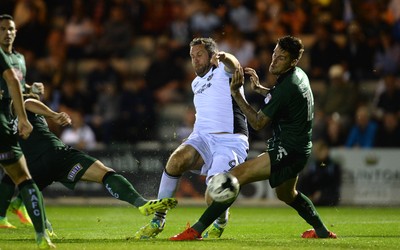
(220, 152)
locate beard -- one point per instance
(202, 70)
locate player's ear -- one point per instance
(294, 62)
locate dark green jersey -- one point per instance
(10, 151)
(290, 105)
(41, 140)
(16, 61)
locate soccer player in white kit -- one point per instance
(219, 140)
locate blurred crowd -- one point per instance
(115, 65)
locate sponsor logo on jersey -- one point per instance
(210, 77)
(203, 88)
(74, 171)
(267, 98)
(281, 152)
(14, 126)
(6, 155)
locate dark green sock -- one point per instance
(44, 210)
(6, 193)
(307, 211)
(32, 199)
(210, 215)
(120, 188)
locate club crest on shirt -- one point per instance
(232, 163)
(267, 98)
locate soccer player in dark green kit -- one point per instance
(50, 160)
(289, 110)
(12, 67)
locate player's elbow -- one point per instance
(257, 126)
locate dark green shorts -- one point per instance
(10, 151)
(62, 164)
(286, 164)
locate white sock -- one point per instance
(168, 186)
(222, 220)
(167, 189)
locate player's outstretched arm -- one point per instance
(14, 88)
(257, 120)
(38, 107)
(35, 88)
(255, 82)
(230, 61)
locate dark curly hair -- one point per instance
(293, 45)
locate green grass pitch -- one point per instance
(108, 227)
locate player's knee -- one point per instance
(285, 196)
(178, 164)
(175, 169)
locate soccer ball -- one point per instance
(223, 187)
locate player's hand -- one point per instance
(37, 88)
(255, 82)
(237, 80)
(220, 56)
(62, 119)
(217, 57)
(24, 128)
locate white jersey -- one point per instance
(216, 111)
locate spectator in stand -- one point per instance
(32, 26)
(186, 128)
(321, 179)
(97, 78)
(235, 43)
(324, 52)
(393, 14)
(239, 10)
(388, 100)
(79, 31)
(164, 75)
(363, 132)
(137, 111)
(204, 21)
(71, 95)
(343, 13)
(179, 30)
(372, 22)
(79, 135)
(116, 37)
(388, 134)
(341, 96)
(335, 132)
(387, 55)
(357, 56)
(106, 112)
(296, 16)
(52, 67)
(155, 16)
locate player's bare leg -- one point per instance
(184, 158)
(120, 188)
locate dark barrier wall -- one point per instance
(370, 177)
(142, 167)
